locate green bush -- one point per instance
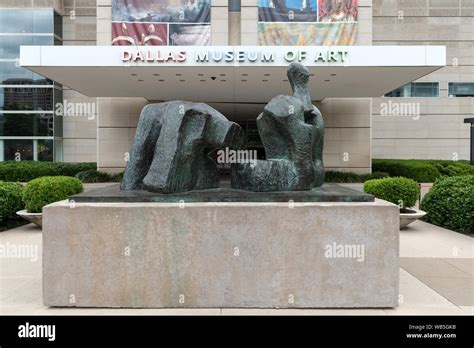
(93, 176)
(25, 171)
(412, 169)
(401, 191)
(450, 203)
(117, 177)
(11, 200)
(49, 189)
(348, 177)
(423, 170)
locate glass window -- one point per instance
(13, 74)
(10, 45)
(416, 89)
(18, 150)
(58, 150)
(45, 150)
(461, 89)
(43, 21)
(26, 21)
(24, 27)
(22, 98)
(58, 25)
(24, 125)
(16, 21)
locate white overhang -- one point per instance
(181, 72)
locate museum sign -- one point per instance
(160, 55)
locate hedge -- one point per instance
(11, 200)
(49, 189)
(349, 177)
(450, 203)
(423, 170)
(25, 171)
(94, 176)
(401, 191)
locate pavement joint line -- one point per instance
(447, 299)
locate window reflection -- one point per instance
(45, 150)
(18, 150)
(12, 74)
(25, 27)
(21, 98)
(26, 21)
(416, 89)
(16, 125)
(461, 89)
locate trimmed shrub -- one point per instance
(11, 200)
(450, 203)
(401, 191)
(25, 171)
(93, 176)
(418, 171)
(117, 177)
(49, 189)
(423, 170)
(348, 177)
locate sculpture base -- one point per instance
(326, 193)
(252, 255)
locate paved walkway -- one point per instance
(436, 277)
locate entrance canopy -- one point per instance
(230, 74)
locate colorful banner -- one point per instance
(307, 22)
(161, 22)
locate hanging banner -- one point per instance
(161, 22)
(307, 22)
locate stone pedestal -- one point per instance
(261, 255)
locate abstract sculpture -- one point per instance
(170, 152)
(174, 140)
(292, 133)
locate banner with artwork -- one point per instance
(161, 22)
(307, 22)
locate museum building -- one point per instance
(393, 79)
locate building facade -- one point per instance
(422, 119)
(437, 130)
